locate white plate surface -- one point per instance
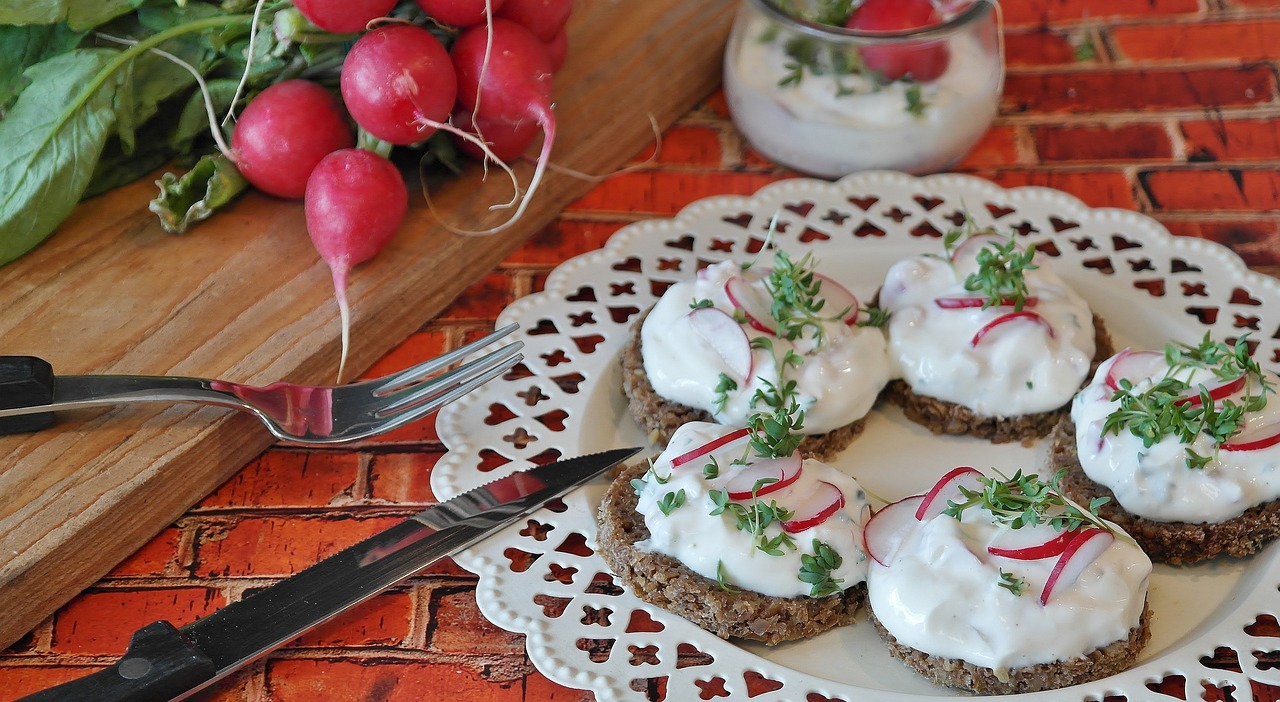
(585, 630)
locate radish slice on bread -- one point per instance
(726, 337)
(886, 529)
(946, 489)
(1083, 549)
(814, 508)
(733, 438)
(765, 476)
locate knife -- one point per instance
(164, 662)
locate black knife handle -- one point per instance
(159, 666)
(25, 381)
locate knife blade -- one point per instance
(164, 662)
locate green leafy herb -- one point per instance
(816, 570)
(699, 304)
(1012, 583)
(796, 306)
(711, 470)
(638, 484)
(1027, 500)
(915, 100)
(722, 390)
(1002, 268)
(755, 517)
(721, 581)
(874, 317)
(671, 501)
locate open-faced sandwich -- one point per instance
(998, 585)
(760, 547)
(1186, 442)
(987, 339)
(739, 340)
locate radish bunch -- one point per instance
(478, 71)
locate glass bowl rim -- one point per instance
(970, 14)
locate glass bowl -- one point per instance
(829, 101)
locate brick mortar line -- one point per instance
(1206, 16)
(369, 654)
(239, 586)
(1125, 64)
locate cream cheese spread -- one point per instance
(836, 384)
(713, 546)
(1156, 482)
(941, 593)
(1020, 367)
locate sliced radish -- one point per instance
(815, 508)
(733, 437)
(1217, 392)
(887, 528)
(779, 472)
(1134, 366)
(1254, 438)
(946, 489)
(1024, 315)
(1083, 549)
(753, 303)
(957, 303)
(968, 249)
(723, 334)
(839, 298)
(1038, 548)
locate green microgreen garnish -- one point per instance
(1165, 408)
(1002, 268)
(711, 470)
(915, 100)
(638, 484)
(796, 305)
(754, 517)
(721, 581)
(699, 304)
(816, 570)
(1012, 583)
(671, 501)
(722, 390)
(1027, 500)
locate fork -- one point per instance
(29, 392)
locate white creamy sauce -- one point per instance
(941, 594)
(811, 127)
(1156, 482)
(1017, 368)
(835, 385)
(712, 545)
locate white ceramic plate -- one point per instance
(585, 630)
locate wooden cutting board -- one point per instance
(244, 297)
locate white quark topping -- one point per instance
(942, 592)
(678, 504)
(1163, 481)
(836, 382)
(1033, 361)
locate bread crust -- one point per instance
(1174, 543)
(667, 583)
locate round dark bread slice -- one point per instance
(1174, 543)
(667, 583)
(943, 417)
(660, 417)
(1099, 663)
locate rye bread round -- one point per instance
(943, 417)
(667, 583)
(660, 417)
(1116, 657)
(1174, 543)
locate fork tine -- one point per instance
(503, 359)
(413, 374)
(415, 412)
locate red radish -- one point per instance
(1024, 315)
(506, 140)
(779, 472)
(730, 439)
(968, 249)
(1217, 392)
(284, 132)
(506, 77)
(1134, 366)
(398, 84)
(839, 299)
(1253, 438)
(1054, 546)
(558, 49)
(754, 304)
(921, 60)
(343, 16)
(354, 204)
(887, 528)
(725, 336)
(460, 13)
(541, 17)
(958, 303)
(1084, 548)
(948, 488)
(815, 508)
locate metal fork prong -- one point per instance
(414, 412)
(445, 382)
(413, 374)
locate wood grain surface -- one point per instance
(244, 297)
